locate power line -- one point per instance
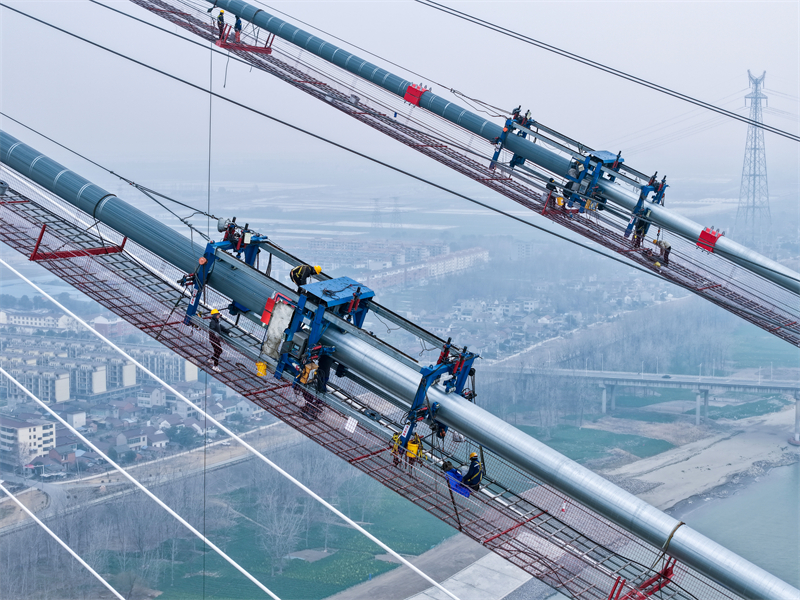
(122, 471)
(605, 68)
(77, 557)
(208, 418)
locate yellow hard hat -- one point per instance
(658, 265)
(222, 12)
(318, 269)
(214, 311)
(474, 455)
(655, 241)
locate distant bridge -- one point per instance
(609, 380)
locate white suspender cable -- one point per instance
(221, 427)
(60, 541)
(139, 485)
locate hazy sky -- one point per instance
(121, 113)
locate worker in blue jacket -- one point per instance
(475, 473)
(237, 28)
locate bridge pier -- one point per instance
(608, 393)
(701, 394)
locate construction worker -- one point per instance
(413, 451)
(221, 23)
(396, 449)
(215, 330)
(475, 473)
(666, 248)
(237, 28)
(300, 275)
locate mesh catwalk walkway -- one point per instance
(711, 276)
(526, 522)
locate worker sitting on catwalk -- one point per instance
(215, 330)
(666, 248)
(300, 275)
(221, 23)
(237, 28)
(475, 473)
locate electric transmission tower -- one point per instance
(377, 219)
(753, 221)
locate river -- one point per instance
(760, 522)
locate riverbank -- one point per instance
(745, 449)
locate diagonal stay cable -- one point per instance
(224, 429)
(63, 544)
(124, 473)
(600, 66)
(396, 169)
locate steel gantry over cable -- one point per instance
(555, 519)
(596, 195)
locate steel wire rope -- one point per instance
(208, 418)
(144, 190)
(687, 130)
(685, 116)
(396, 169)
(677, 135)
(52, 534)
(594, 64)
(122, 471)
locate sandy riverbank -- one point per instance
(747, 447)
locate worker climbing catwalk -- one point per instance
(300, 274)
(215, 330)
(221, 23)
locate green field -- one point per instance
(749, 409)
(584, 445)
(663, 395)
(647, 416)
(754, 347)
(403, 526)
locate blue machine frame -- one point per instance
(247, 244)
(343, 297)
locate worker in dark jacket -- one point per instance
(215, 331)
(221, 23)
(237, 28)
(474, 475)
(301, 274)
